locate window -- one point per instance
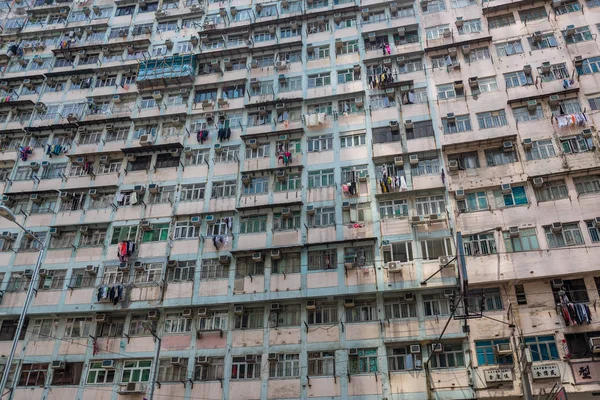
(23, 174)
(44, 329)
(428, 164)
(114, 328)
(158, 233)
(29, 243)
(210, 372)
(520, 295)
(470, 26)
(500, 21)
(593, 231)
(575, 290)
(321, 178)
(566, 8)
(557, 72)
(400, 309)
(433, 249)
(523, 114)
(78, 328)
(516, 197)
(589, 66)
(291, 182)
(447, 91)
(290, 84)
(589, 184)
(228, 154)
(223, 189)
(365, 362)
(348, 47)
(420, 129)
(481, 244)
(393, 208)
(184, 271)
(212, 269)
(533, 14)
(594, 101)
(362, 311)
(488, 84)
(545, 41)
(485, 299)
(552, 190)
(526, 241)
(242, 369)
(474, 201)
(353, 140)
(436, 304)
(33, 375)
(581, 34)
(123, 233)
(430, 205)
(286, 366)
(359, 256)
(319, 260)
(261, 151)
(136, 371)
(570, 235)
(498, 156)
(69, 375)
(487, 354)
(98, 375)
(460, 123)
(411, 65)
(324, 313)
(81, 279)
(253, 224)
(17, 282)
(509, 48)
(184, 229)
(62, 240)
(258, 185)
(288, 315)
(221, 226)
(321, 363)
(543, 348)
(401, 359)
(540, 149)
(251, 318)
(318, 53)
(152, 272)
(177, 323)
(436, 32)
(481, 53)
(347, 75)
(318, 80)
(451, 356)
(576, 144)
(193, 192)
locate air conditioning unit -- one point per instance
(104, 160)
(157, 95)
(415, 349)
(556, 227)
(153, 315)
(101, 317)
(394, 126)
(553, 100)
(409, 297)
(28, 273)
(246, 180)
(506, 188)
(153, 188)
(280, 176)
(527, 143)
(209, 218)
(275, 254)
(538, 182)
(138, 266)
(578, 61)
(348, 303)
(252, 143)
(514, 231)
(146, 140)
(358, 101)
(54, 232)
(595, 345)
(450, 118)
(250, 358)
(139, 189)
(84, 230)
(394, 266)
(586, 133)
(92, 270)
(452, 51)
(537, 36)
(225, 260)
(35, 198)
(399, 161)
(556, 283)
(527, 69)
(474, 82)
(413, 159)
(311, 305)
(146, 225)
(108, 364)
(177, 360)
(7, 235)
(353, 352)
(238, 310)
(570, 31)
(437, 348)
(459, 194)
(203, 312)
(503, 349)
(508, 145)
(172, 264)
(57, 365)
(43, 272)
(310, 210)
(34, 166)
(123, 266)
(346, 205)
(202, 360)
(257, 256)
(596, 224)
(532, 105)
(445, 260)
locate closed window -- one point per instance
(581, 34)
(242, 369)
(500, 21)
(286, 366)
(470, 26)
(488, 355)
(474, 201)
(251, 318)
(481, 244)
(430, 205)
(516, 197)
(322, 260)
(526, 240)
(589, 184)
(498, 156)
(451, 356)
(33, 375)
(177, 323)
(253, 224)
(324, 313)
(210, 372)
(569, 235)
(97, 375)
(433, 249)
(136, 371)
(509, 48)
(393, 208)
(576, 144)
(540, 149)
(321, 363)
(365, 362)
(400, 309)
(543, 348)
(362, 311)
(158, 233)
(321, 178)
(184, 271)
(552, 190)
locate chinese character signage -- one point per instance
(586, 372)
(498, 375)
(545, 371)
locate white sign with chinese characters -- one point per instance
(545, 371)
(498, 375)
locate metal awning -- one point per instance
(458, 44)
(156, 148)
(564, 93)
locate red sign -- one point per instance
(561, 394)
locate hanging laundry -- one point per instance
(24, 152)
(125, 250)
